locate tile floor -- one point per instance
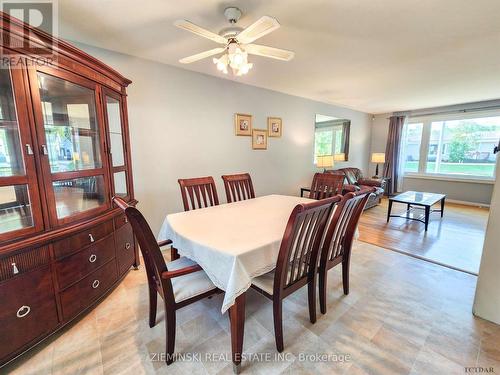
(403, 316)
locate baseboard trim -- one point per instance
(466, 203)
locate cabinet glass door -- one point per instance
(19, 200)
(72, 144)
(116, 136)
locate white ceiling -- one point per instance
(375, 56)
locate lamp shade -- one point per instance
(339, 157)
(378, 157)
(324, 161)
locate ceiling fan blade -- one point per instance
(198, 30)
(273, 53)
(258, 29)
(201, 55)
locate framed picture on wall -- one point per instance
(243, 124)
(274, 126)
(259, 139)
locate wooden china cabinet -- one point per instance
(64, 153)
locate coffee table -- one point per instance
(415, 200)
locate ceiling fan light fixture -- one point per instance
(237, 43)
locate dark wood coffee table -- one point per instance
(414, 200)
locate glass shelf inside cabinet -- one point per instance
(70, 123)
(15, 208)
(78, 195)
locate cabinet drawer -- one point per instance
(81, 239)
(79, 296)
(23, 261)
(125, 248)
(120, 220)
(28, 309)
(79, 265)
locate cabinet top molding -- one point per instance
(36, 37)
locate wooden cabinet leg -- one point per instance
(237, 319)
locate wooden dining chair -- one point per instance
(297, 260)
(238, 187)
(325, 185)
(182, 283)
(337, 244)
(198, 192)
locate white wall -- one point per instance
(462, 191)
(487, 301)
(181, 125)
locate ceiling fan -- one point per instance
(237, 43)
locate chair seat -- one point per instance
(265, 282)
(189, 285)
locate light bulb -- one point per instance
(238, 57)
(221, 66)
(221, 63)
(245, 68)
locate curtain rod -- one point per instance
(460, 108)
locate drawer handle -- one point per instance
(91, 237)
(95, 284)
(127, 245)
(92, 258)
(23, 311)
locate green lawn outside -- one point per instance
(475, 169)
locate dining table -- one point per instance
(233, 243)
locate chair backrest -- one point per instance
(341, 228)
(153, 257)
(198, 193)
(238, 187)
(299, 250)
(326, 185)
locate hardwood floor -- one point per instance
(456, 240)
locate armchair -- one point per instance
(355, 177)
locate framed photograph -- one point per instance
(274, 126)
(243, 124)
(259, 139)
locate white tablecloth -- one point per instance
(232, 242)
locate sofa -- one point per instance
(356, 181)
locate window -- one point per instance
(412, 139)
(452, 146)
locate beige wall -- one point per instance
(487, 301)
(472, 192)
(181, 125)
